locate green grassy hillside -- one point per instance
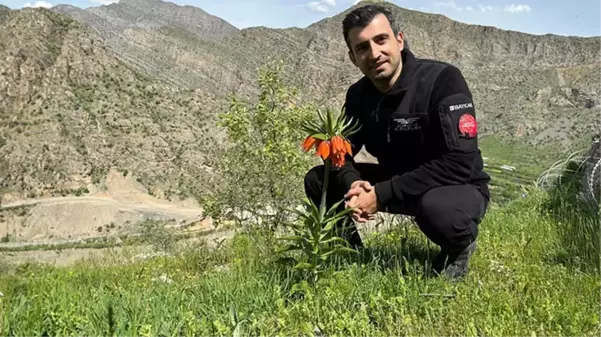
(516, 286)
(536, 271)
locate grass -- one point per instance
(536, 273)
(529, 163)
(516, 286)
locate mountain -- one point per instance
(70, 111)
(119, 18)
(81, 92)
(535, 88)
(153, 37)
(4, 11)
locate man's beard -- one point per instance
(386, 76)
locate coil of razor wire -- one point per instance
(592, 171)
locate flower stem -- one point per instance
(322, 206)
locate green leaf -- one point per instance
(233, 314)
(287, 248)
(238, 329)
(303, 265)
(346, 249)
(330, 123)
(335, 239)
(292, 238)
(285, 261)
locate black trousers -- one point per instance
(449, 215)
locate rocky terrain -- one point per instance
(533, 88)
(135, 87)
(70, 111)
(118, 18)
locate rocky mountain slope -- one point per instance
(533, 88)
(152, 36)
(70, 110)
(136, 85)
(119, 18)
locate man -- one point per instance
(417, 118)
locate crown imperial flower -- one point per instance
(330, 138)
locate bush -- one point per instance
(259, 171)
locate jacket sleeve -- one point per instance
(453, 139)
(347, 174)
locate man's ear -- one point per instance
(352, 57)
(401, 40)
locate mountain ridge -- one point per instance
(95, 100)
(116, 18)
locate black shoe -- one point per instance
(354, 240)
(351, 235)
(453, 264)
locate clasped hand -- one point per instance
(362, 197)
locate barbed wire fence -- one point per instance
(592, 172)
(582, 164)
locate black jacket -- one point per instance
(423, 131)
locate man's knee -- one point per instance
(314, 181)
(450, 216)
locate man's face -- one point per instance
(375, 49)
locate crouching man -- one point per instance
(418, 119)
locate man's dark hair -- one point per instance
(362, 16)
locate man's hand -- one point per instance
(355, 186)
(362, 197)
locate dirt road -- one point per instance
(167, 209)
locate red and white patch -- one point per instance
(468, 126)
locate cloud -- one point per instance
(321, 6)
(451, 4)
(104, 2)
(517, 8)
(38, 4)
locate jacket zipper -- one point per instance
(377, 115)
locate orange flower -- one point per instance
(338, 144)
(338, 147)
(338, 159)
(308, 143)
(338, 151)
(323, 150)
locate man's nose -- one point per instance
(375, 51)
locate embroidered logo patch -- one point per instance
(461, 106)
(468, 126)
(406, 124)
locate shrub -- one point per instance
(259, 170)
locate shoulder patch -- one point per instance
(458, 121)
(468, 126)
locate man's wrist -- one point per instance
(384, 194)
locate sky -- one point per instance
(571, 18)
